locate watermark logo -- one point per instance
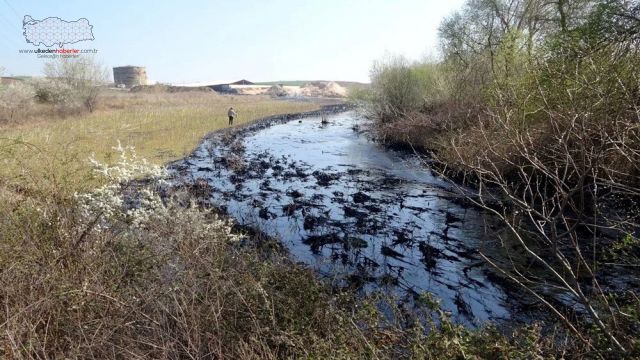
(56, 32)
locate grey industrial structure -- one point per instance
(227, 89)
(129, 76)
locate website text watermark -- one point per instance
(58, 53)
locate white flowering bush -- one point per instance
(128, 167)
(141, 207)
(108, 201)
(121, 199)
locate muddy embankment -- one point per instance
(362, 215)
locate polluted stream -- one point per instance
(359, 214)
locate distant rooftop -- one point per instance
(218, 82)
(242, 82)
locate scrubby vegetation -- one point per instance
(85, 274)
(14, 100)
(95, 263)
(535, 104)
(101, 258)
(133, 269)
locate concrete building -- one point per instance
(129, 76)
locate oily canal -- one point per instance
(356, 212)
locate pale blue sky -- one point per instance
(196, 41)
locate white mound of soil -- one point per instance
(277, 90)
(323, 89)
(328, 89)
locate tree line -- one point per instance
(535, 103)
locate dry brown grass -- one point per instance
(174, 288)
(45, 149)
(554, 155)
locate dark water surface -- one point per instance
(353, 210)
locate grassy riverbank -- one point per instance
(45, 150)
(80, 277)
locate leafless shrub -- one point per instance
(54, 92)
(430, 128)
(550, 142)
(396, 88)
(15, 99)
(565, 184)
(83, 76)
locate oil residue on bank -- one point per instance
(354, 211)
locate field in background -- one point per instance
(41, 152)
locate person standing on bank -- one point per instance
(232, 115)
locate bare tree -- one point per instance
(396, 87)
(84, 76)
(15, 98)
(554, 150)
(558, 188)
